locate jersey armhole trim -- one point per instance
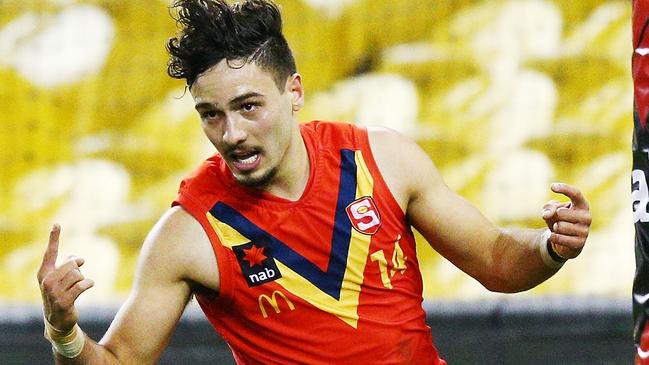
(223, 260)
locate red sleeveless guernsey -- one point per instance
(332, 278)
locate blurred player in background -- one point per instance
(294, 238)
(640, 192)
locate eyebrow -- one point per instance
(232, 102)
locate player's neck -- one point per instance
(294, 171)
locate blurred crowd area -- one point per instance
(505, 96)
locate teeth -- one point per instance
(250, 159)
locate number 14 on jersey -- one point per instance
(398, 263)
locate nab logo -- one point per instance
(257, 264)
(272, 300)
(364, 215)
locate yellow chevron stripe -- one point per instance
(229, 236)
(346, 308)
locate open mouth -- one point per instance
(245, 161)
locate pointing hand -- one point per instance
(568, 221)
(61, 285)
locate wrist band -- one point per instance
(549, 256)
(554, 254)
(68, 344)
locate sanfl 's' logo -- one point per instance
(364, 215)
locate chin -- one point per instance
(254, 181)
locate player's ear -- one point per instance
(295, 88)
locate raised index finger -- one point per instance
(575, 195)
(52, 250)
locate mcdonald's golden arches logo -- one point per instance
(272, 300)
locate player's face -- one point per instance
(248, 119)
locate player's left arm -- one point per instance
(503, 260)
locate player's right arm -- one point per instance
(171, 263)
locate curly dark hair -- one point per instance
(212, 30)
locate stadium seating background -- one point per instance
(505, 97)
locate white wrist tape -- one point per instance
(68, 344)
(543, 244)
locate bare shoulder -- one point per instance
(176, 256)
(404, 165)
(178, 244)
(385, 137)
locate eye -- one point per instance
(209, 114)
(248, 107)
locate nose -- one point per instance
(234, 133)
